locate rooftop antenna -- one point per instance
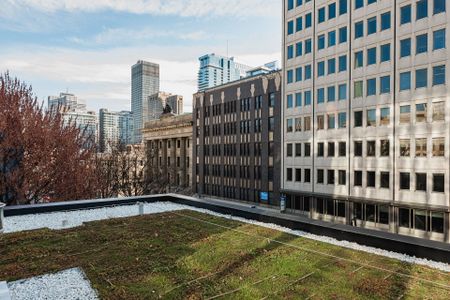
(227, 50)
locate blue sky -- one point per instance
(88, 46)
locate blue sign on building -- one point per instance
(264, 196)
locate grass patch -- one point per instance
(189, 255)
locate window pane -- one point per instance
(421, 113)
(421, 147)
(420, 219)
(438, 146)
(438, 111)
(439, 75)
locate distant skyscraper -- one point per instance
(74, 111)
(114, 128)
(126, 126)
(66, 102)
(158, 101)
(144, 82)
(216, 70)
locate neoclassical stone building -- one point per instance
(168, 142)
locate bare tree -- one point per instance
(40, 158)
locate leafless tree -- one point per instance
(40, 158)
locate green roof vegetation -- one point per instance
(189, 255)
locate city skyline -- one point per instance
(87, 48)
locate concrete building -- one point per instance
(157, 102)
(366, 114)
(217, 70)
(74, 111)
(144, 82)
(168, 143)
(114, 128)
(236, 148)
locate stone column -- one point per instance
(183, 165)
(173, 162)
(164, 160)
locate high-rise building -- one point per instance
(66, 102)
(366, 114)
(216, 70)
(126, 126)
(74, 111)
(144, 82)
(114, 128)
(236, 140)
(157, 102)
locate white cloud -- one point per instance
(126, 36)
(102, 77)
(158, 7)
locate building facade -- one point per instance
(157, 102)
(114, 128)
(366, 114)
(168, 142)
(236, 148)
(144, 82)
(217, 70)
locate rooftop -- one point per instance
(174, 251)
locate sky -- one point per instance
(87, 47)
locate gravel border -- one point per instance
(76, 218)
(70, 284)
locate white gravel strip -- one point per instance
(69, 284)
(76, 218)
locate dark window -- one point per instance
(421, 181)
(420, 219)
(320, 149)
(383, 214)
(404, 217)
(289, 150)
(358, 148)
(342, 177)
(438, 183)
(307, 149)
(358, 118)
(331, 149)
(370, 212)
(384, 180)
(307, 175)
(330, 176)
(320, 176)
(342, 149)
(370, 179)
(404, 181)
(298, 149)
(341, 209)
(330, 206)
(319, 205)
(289, 174)
(357, 210)
(384, 147)
(298, 175)
(371, 148)
(437, 222)
(358, 178)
